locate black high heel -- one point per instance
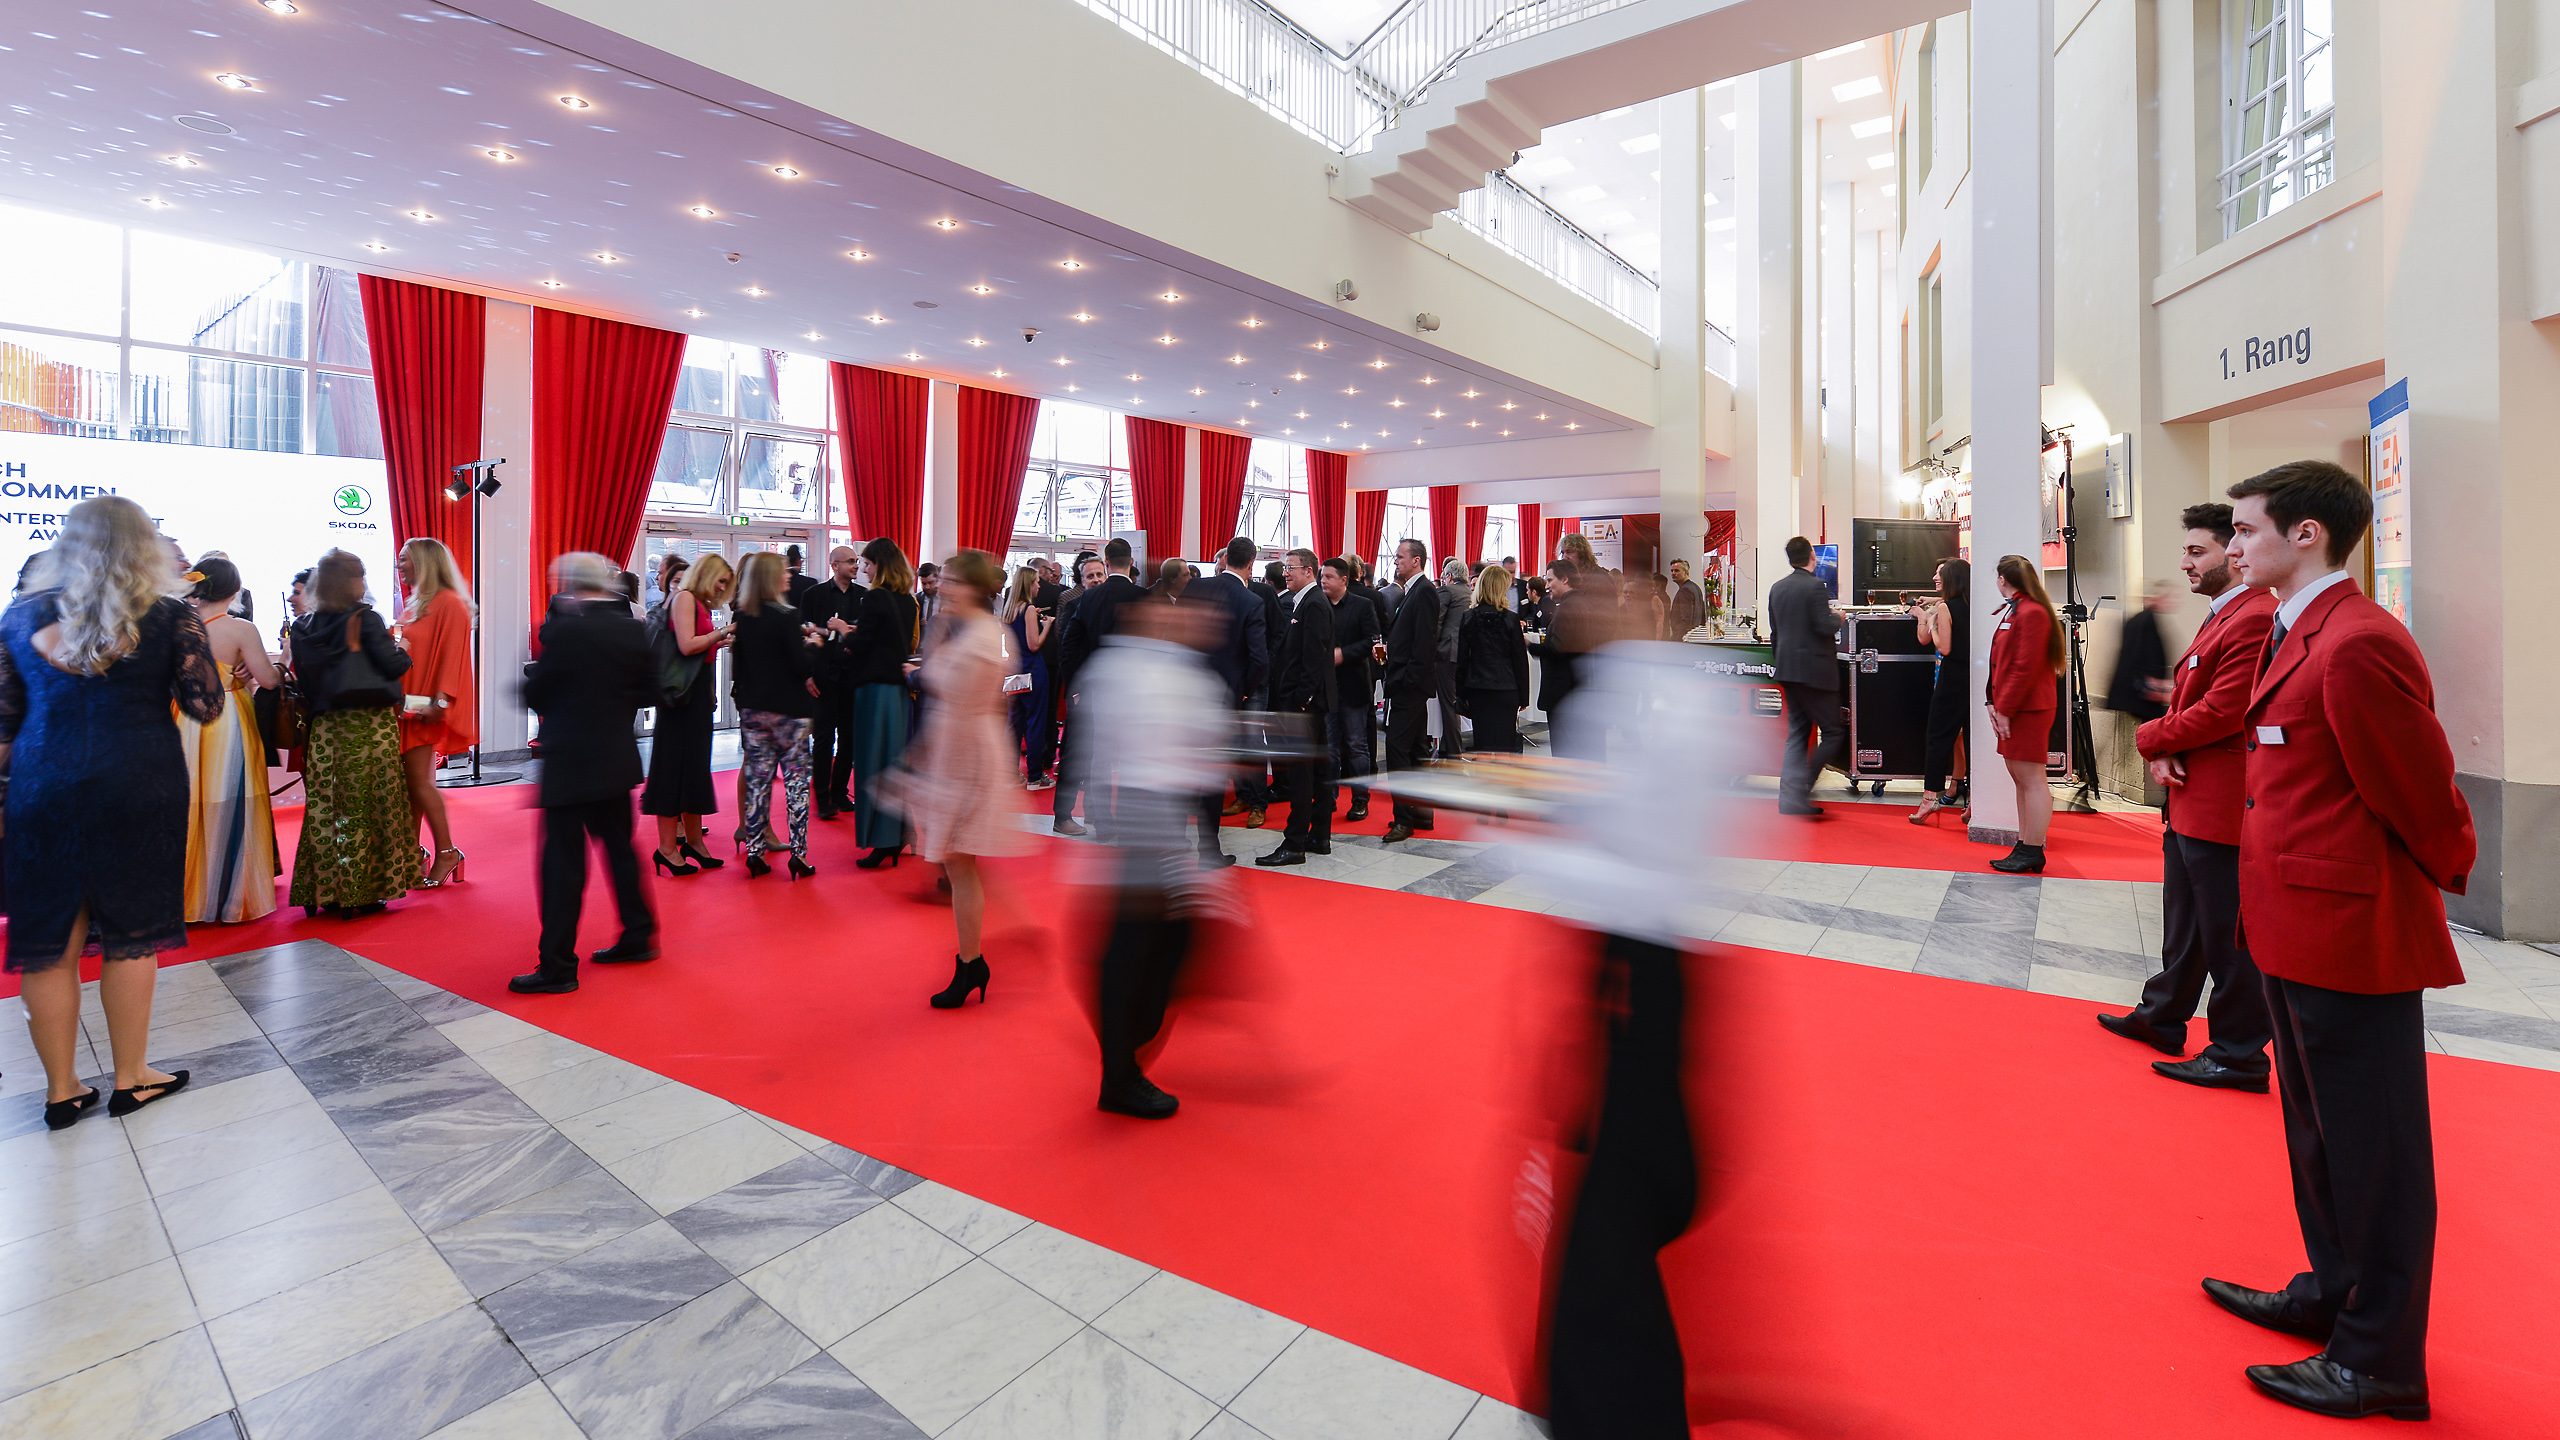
(660, 864)
(757, 868)
(59, 1114)
(694, 852)
(801, 869)
(2025, 859)
(123, 1102)
(966, 975)
(880, 856)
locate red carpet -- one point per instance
(1936, 1208)
(2081, 847)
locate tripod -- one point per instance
(476, 482)
(2083, 742)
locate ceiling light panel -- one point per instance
(1858, 89)
(1870, 129)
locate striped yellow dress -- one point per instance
(231, 831)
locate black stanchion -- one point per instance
(476, 482)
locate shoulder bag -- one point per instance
(674, 669)
(354, 682)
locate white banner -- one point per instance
(1608, 541)
(271, 514)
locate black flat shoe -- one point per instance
(538, 983)
(2133, 1027)
(2325, 1387)
(698, 855)
(59, 1114)
(1139, 1097)
(125, 1102)
(1282, 856)
(2023, 859)
(757, 868)
(1359, 811)
(1216, 860)
(624, 952)
(2213, 1074)
(2268, 1309)
(966, 975)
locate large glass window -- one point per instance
(1275, 512)
(1501, 532)
(1408, 518)
(113, 333)
(2280, 105)
(1075, 494)
(748, 436)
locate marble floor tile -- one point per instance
(1326, 1389)
(1881, 925)
(1089, 1389)
(171, 1004)
(436, 1007)
(603, 1295)
(967, 1336)
(379, 1025)
(275, 1257)
(33, 1201)
(280, 1014)
(1228, 1427)
(42, 1151)
(188, 1036)
(1394, 872)
(202, 1214)
(2474, 1047)
(1520, 892)
(1859, 948)
(225, 1426)
(207, 1106)
(1783, 907)
(413, 1123)
(507, 1244)
(646, 1120)
(556, 1095)
(853, 1274)
(683, 1368)
(2488, 990)
(1979, 954)
(1078, 1276)
(529, 1413)
(536, 1054)
(89, 1246)
(1819, 883)
(229, 1149)
(1493, 1420)
(2531, 1032)
(2121, 964)
(41, 1343)
(1212, 1342)
(818, 1401)
(405, 1387)
(793, 1133)
(345, 1072)
(1910, 894)
(878, 1176)
(284, 1337)
(704, 1163)
(1763, 932)
(974, 1223)
(2110, 990)
(163, 1388)
(526, 1163)
(487, 1032)
(752, 1221)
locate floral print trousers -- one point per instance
(770, 741)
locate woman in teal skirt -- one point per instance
(884, 634)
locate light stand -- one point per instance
(2084, 748)
(475, 482)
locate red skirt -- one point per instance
(2030, 736)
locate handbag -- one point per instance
(675, 670)
(354, 682)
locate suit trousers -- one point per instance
(1347, 732)
(1071, 776)
(2199, 936)
(1810, 710)
(1407, 731)
(1253, 782)
(831, 746)
(2353, 1073)
(1139, 963)
(1309, 782)
(1445, 672)
(1497, 720)
(565, 832)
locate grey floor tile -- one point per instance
(526, 1163)
(225, 1426)
(603, 1295)
(530, 1412)
(429, 1116)
(1464, 880)
(235, 1061)
(443, 1007)
(749, 1223)
(530, 1236)
(285, 1013)
(819, 1401)
(345, 1072)
(379, 1025)
(1880, 925)
(401, 1389)
(2095, 961)
(2492, 1025)
(1784, 907)
(683, 1368)
(1979, 954)
(941, 1354)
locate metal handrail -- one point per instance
(1519, 222)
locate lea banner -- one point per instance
(2388, 414)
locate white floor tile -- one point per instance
(555, 1095)
(488, 1032)
(836, 1283)
(644, 1121)
(1859, 948)
(671, 1176)
(159, 1389)
(1767, 932)
(2471, 1047)
(202, 1214)
(1077, 1275)
(1088, 1389)
(275, 1257)
(192, 1110)
(1326, 1389)
(531, 1413)
(967, 1336)
(284, 1337)
(40, 1344)
(1212, 1342)
(90, 1246)
(973, 1223)
(239, 1145)
(1493, 1420)
(2081, 985)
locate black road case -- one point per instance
(1889, 674)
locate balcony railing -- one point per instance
(1528, 227)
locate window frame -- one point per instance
(2299, 157)
(740, 432)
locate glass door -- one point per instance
(693, 539)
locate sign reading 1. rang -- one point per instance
(2256, 354)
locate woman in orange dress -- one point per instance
(442, 715)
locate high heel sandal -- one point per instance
(450, 877)
(123, 1102)
(801, 869)
(757, 867)
(1930, 806)
(660, 864)
(59, 1114)
(880, 856)
(694, 852)
(966, 975)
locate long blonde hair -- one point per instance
(761, 582)
(111, 565)
(1493, 587)
(1026, 588)
(704, 580)
(436, 573)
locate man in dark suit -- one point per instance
(1807, 634)
(1688, 603)
(2197, 753)
(1046, 597)
(1089, 620)
(1253, 784)
(1302, 684)
(594, 675)
(831, 733)
(2350, 829)
(1238, 648)
(1560, 653)
(1413, 673)
(1355, 635)
(795, 584)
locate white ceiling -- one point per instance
(367, 110)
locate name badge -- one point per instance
(2004, 624)
(2270, 734)
(2191, 662)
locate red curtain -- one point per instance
(429, 354)
(1223, 460)
(995, 450)
(1368, 524)
(1719, 530)
(600, 394)
(880, 425)
(1327, 475)
(1531, 562)
(1444, 524)
(1475, 534)
(1555, 532)
(1155, 483)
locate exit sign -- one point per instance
(738, 519)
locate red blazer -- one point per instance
(2021, 678)
(2351, 824)
(2204, 724)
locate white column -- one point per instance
(1679, 428)
(504, 586)
(2009, 295)
(941, 472)
(1837, 399)
(1770, 304)
(1188, 537)
(1869, 492)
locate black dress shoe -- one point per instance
(828, 812)
(1799, 809)
(1216, 860)
(539, 983)
(1285, 855)
(2134, 1027)
(2213, 1074)
(1359, 810)
(1139, 1097)
(1396, 832)
(1319, 847)
(627, 952)
(2271, 1309)
(2325, 1387)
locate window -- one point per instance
(2279, 105)
(1076, 493)
(1934, 320)
(748, 436)
(1275, 511)
(1924, 111)
(1501, 532)
(135, 335)
(1408, 518)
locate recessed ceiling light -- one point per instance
(1169, 295)
(1135, 377)
(1064, 361)
(1079, 315)
(1324, 345)
(1377, 364)
(280, 7)
(1870, 129)
(1196, 390)
(786, 172)
(1510, 405)
(186, 162)
(1346, 424)
(574, 103)
(857, 254)
(1070, 264)
(230, 81)
(1430, 379)
(1506, 434)
(1235, 359)
(1253, 404)
(946, 224)
(1852, 48)
(1297, 375)
(877, 319)
(1395, 404)
(1285, 430)
(1383, 434)
(1470, 392)
(1164, 339)
(1417, 439)
(550, 284)
(1302, 414)
(608, 257)
(1573, 425)
(155, 202)
(912, 357)
(981, 290)
(1364, 444)
(695, 313)
(1073, 389)
(1242, 421)
(756, 290)
(419, 215)
(1439, 415)
(501, 156)
(1542, 415)
(376, 246)
(813, 335)
(1473, 424)
(1641, 144)
(1858, 89)
(1350, 389)
(1880, 162)
(705, 211)
(1251, 324)
(999, 372)
(1889, 190)
(977, 342)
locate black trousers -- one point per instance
(1445, 672)
(1497, 720)
(1071, 777)
(1948, 718)
(1253, 782)
(1308, 782)
(565, 832)
(1139, 962)
(2199, 936)
(1613, 1356)
(1810, 710)
(831, 747)
(1408, 730)
(2353, 1073)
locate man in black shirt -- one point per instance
(1088, 620)
(1355, 631)
(838, 596)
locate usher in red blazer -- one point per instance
(2206, 723)
(2021, 678)
(2351, 825)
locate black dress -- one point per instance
(97, 804)
(1951, 703)
(680, 747)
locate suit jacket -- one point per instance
(1090, 616)
(2204, 726)
(2141, 654)
(1456, 598)
(1413, 642)
(2021, 677)
(1807, 632)
(1242, 655)
(1273, 622)
(1379, 604)
(595, 674)
(1571, 622)
(2351, 824)
(1688, 608)
(1302, 664)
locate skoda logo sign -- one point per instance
(352, 500)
